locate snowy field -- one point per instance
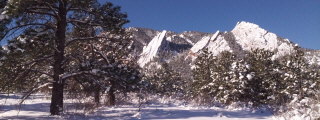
(37, 107)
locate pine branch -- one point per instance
(38, 71)
(73, 21)
(53, 10)
(102, 55)
(37, 60)
(81, 9)
(16, 28)
(82, 39)
(66, 76)
(32, 90)
(41, 13)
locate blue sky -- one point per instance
(297, 20)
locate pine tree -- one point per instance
(18, 54)
(181, 66)
(260, 76)
(214, 78)
(109, 59)
(239, 71)
(4, 19)
(221, 86)
(59, 17)
(202, 76)
(277, 85)
(164, 80)
(300, 79)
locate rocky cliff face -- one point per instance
(251, 36)
(150, 51)
(150, 44)
(244, 37)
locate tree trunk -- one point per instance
(56, 107)
(97, 96)
(111, 96)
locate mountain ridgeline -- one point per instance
(165, 45)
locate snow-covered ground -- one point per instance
(164, 112)
(37, 107)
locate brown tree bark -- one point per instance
(56, 107)
(97, 96)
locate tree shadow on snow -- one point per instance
(125, 113)
(129, 113)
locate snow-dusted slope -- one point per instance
(150, 51)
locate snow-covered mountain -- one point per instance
(244, 37)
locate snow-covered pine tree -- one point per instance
(225, 82)
(3, 18)
(276, 85)
(202, 76)
(164, 80)
(25, 61)
(301, 86)
(59, 17)
(221, 87)
(108, 59)
(239, 71)
(181, 65)
(300, 79)
(259, 78)
(2, 5)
